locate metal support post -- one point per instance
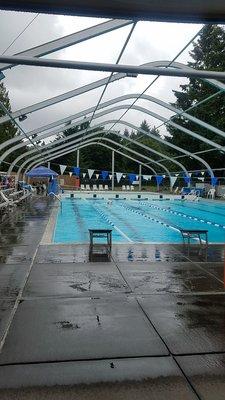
(140, 177)
(78, 158)
(113, 169)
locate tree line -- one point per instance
(208, 53)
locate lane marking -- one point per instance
(112, 224)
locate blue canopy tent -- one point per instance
(41, 172)
(44, 172)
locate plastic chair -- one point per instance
(211, 193)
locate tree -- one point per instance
(208, 54)
(100, 158)
(7, 130)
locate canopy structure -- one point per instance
(164, 10)
(41, 172)
(158, 161)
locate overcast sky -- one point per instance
(150, 41)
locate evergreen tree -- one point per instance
(208, 54)
(7, 130)
(147, 140)
(100, 158)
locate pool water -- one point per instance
(138, 220)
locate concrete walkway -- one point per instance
(147, 325)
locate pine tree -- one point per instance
(7, 130)
(208, 54)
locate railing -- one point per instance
(54, 195)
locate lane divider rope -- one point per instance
(180, 214)
(104, 216)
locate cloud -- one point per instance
(150, 41)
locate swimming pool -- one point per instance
(138, 221)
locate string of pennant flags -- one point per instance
(104, 175)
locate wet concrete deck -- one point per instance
(148, 324)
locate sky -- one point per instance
(150, 41)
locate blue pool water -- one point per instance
(138, 220)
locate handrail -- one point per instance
(55, 195)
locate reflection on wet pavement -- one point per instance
(129, 379)
(189, 324)
(129, 323)
(206, 373)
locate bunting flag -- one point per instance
(202, 172)
(214, 180)
(97, 176)
(110, 176)
(176, 175)
(132, 177)
(104, 175)
(76, 171)
(159, 179)
(62, 168)
(164, 176)
(137, 177)
(187, 179)
(70, 174)
(84, 175)
(118, 176)
(124, 176)
(190, 173)
(173, 180)
(90, 173)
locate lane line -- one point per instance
(112, 223)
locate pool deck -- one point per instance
(150, 324)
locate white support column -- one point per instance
(171, 184)
(49, 165)
(113, 169)
(140, 177)
(78, 158)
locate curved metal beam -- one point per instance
(128, 139)
(56, 149)
(179, 65)
(102, 144)
(34, 164)
(106, 104)
(77, 146)
(94, 85)
(141, 145)
(9, 151)
(141, 109)
(71, 40)
(158, 139)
